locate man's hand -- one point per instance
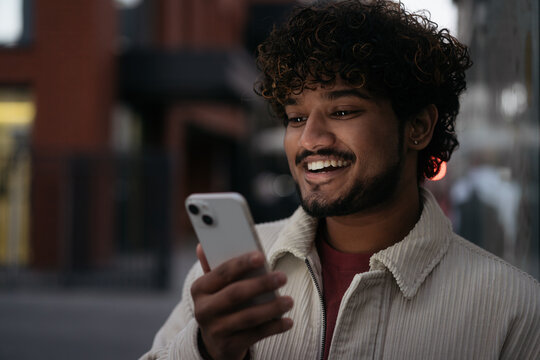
(227, 327)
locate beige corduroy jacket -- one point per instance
(433, 295)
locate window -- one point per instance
(16, 117)
(16, 22)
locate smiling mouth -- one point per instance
(326, 165)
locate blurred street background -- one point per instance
(86, 323)
(113, 111)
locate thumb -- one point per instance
(202, 259)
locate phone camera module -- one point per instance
(194, 209)
(207, 219)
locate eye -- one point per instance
(295, 120)
(344, 113)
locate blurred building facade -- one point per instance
(493, 179)
(113, 111)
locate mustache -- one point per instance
(324, 152)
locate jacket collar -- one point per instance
(410, 261)
(296, 237)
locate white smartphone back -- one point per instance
(225, 229)
(223, 224)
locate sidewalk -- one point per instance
(86, 324)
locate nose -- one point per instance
(316, 133)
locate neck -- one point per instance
(376, 229)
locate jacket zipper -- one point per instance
(321, 298)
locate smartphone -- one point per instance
(225, 229)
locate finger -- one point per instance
(259, 315)
(277, 326)
(234, 299)
(240, 293)
(227, 273)
(249, 319)
(202, 259)
(236, 343)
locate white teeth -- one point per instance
(318, 165)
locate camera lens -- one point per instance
(207, 219)
(193, 209)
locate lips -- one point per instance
(323, 166)
(324, 155)
(320, 171)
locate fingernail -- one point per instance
(256, 259)
(279, 278)
(287, 323)
(287, 303)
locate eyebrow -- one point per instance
(334, 95)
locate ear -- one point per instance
(419, 129)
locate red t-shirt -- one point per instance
(338, 270)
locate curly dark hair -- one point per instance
(377, 45)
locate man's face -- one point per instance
(344, 150)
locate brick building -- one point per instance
(128, 106)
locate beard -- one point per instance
(364, 194)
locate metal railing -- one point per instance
(86, 220)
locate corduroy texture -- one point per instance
(433, 295)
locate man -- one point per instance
(369, 95)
